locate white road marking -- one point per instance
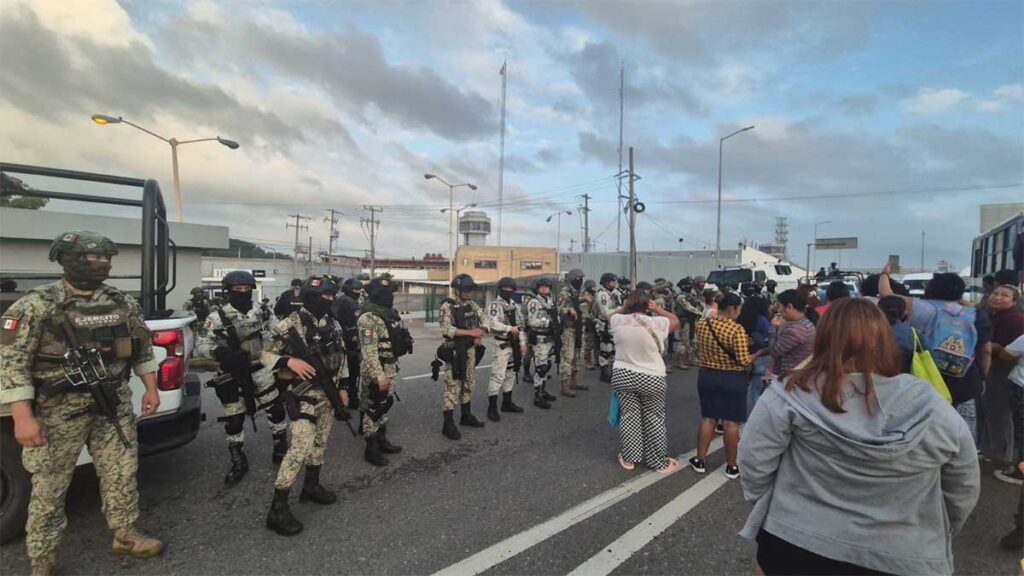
(428, 374)
(502, 551)
(622, 549)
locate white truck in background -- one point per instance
(177, 421)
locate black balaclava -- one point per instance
(384, 298)
(241, 301)
(83, 274)
(577, 283)
(316, 305)
(506, 294)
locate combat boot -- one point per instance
(128, 541)
(280, 518)
(566, 389)
(313, 490)
(507, 405)
(44, 565)
(538, 399)
(450, 430)
(544, 393)
(492, 409)
(574, 382)
(280, 446)
(239, 464)
(468, 419)
(372, 454)
(385, 445)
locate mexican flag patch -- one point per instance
(10, 324)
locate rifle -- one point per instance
(83, 366)
(517, 349)
(236, 362)
(322, 379)
(556, 331)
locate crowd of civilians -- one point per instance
(853, 463)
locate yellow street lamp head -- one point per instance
(103, 119)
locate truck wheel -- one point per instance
(15, 489)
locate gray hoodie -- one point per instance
(884, 490)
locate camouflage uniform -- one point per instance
(201, 308)
(503, 377)
(377, 364)
(311, 430)
(589, 330)
(540, 317)
(250, 331)
(568, 367)
(605, 304)
(689, 309)
(461, 391)
(33, 346)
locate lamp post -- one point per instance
(558, 237)
(451, 221)
(814, 262)
(458, 212)
(718, 234)
(103, 120)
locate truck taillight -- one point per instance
(171, 375)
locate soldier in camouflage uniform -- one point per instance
(503, 368)
(310, 412)
(665, 299)
(54, 419)
(589, 328)
(542, 319)
(570, 300)
(199, 305)
(383, 339)
(689, 308)
(247, 321)
(463, 325)
(605, 304)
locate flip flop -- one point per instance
(673, 465)
(624, 464)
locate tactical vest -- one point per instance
(464, 315)
(394, 343)
(508, 316)
(552, 311)
(249, 330)
(324, 341)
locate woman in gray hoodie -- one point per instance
(853, 467)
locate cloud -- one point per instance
(858, 104)
(934, 100)
(1003, 98)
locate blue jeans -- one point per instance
(760, 367)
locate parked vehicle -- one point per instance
(782, 273)
(916, 282)
(177, 421)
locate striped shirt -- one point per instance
(790, 344)
(733, 337)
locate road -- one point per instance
(537, 493)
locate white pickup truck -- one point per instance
(178, 419)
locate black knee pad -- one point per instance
(234, 424)
(542, 370)
(276, 412)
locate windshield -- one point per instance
(719, 277)
(915, 284)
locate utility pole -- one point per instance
(371, 224)
(501, 154)
(632, 220)
(585, 209)
(333, 220)
(572, 244)
(298, 227)
(922, 250)
(618, 180)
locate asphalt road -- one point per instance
(537, 493)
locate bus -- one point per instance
(994, 250)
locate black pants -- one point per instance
(776, 556)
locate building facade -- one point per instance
(490, 263)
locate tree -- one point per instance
(23, 202)
(242, 249)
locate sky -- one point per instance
(884, 120)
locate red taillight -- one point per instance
(172, 370)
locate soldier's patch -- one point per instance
(10, 324)
(366, 338)
(91, 245)
(69, 237)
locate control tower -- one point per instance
(474, 226)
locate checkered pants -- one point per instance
(641, 417)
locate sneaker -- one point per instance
(1011, 475)
(732, 472)
(698, 465)
(719, 428)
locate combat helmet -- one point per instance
(80, 243)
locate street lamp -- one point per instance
(458, 211)
(558, 237)
(451, 222)
(103, 120)
(718, 240)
